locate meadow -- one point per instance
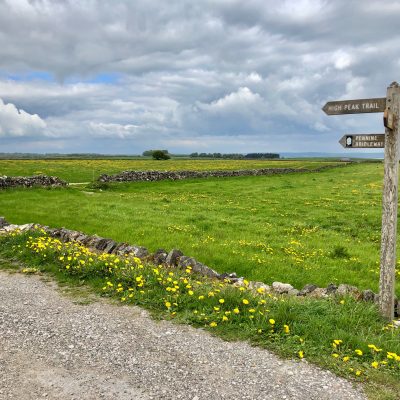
(81, 170)
(321, 227)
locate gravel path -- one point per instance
(51, 347)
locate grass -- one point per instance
(299, 228)
(89, 170)
(343, 335)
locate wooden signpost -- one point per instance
(390, 106)
(370, 141)
(355, 106)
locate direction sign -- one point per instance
(355, 106)
(370, 141)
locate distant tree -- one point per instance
(262, 155)
(194, 155)
(147, 153)
(160, 155)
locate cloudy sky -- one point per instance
(114, 76)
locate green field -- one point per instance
(317, 227)
(88, 170)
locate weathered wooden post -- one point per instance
(389, 203)
(390, 105)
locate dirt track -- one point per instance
(52, 347)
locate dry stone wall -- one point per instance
(29, 181)
(138, 176)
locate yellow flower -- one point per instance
(190, 292)
(224, 318)
(335, 355)
(216, 308)
(167, 304)
(236, 310)
(245, 301)
(286, 328)
(213, 324)
(261, 290)
(358, 352)
(201, 297)
(346, 358)
(358, 372)
(374, 348)
(375, 364)
(301, 354)
(271, 321)
(222, 301)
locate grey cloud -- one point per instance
(189, 71)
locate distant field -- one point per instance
(318, 227)
(89, 170)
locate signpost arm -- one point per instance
(389, 207)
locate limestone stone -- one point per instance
(173, 257)
(368, 295)
(318, 293)
(281, 288)
(3, 222)
(307, 289)
(348, 290)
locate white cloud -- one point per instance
(238, 101)
(341, 59)
(15, 122)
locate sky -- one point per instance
(121, 77)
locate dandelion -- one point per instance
(213, 324)
(374, 348)
(236, 310)
(224, 318)
(286, 328)
(167, 304)
(375, 364)
(358, 352)
(190, 292)
(221, 301)
(271, 321)
(245, 301)
(301, 354)
(346, 358)
(335, 355)
(201, 297)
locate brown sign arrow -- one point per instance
(355, 106)
(369, 141)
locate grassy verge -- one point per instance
(340, 334)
